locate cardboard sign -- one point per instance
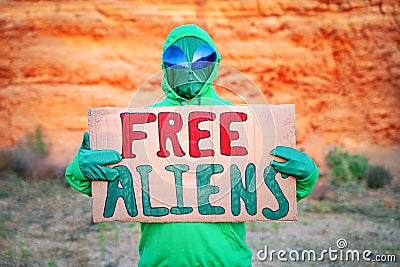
(194, 163)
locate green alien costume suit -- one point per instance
(187, 243)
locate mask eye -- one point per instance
(175, 58)
(204, 57)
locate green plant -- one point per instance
(130, 225)
(346, 167)
(36, 143)
(377, 177)
(24, 253)
(102, 243)
(116, 233)
(10, 253)
(138, 230)
(102, 227)
(52, 263)
(251, 226)
(275, 226)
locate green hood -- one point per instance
(206, 95)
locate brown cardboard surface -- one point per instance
(187, 190)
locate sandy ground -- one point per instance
(48, 224)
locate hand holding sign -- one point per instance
(91, 162)
(88, 165)
(297, 164)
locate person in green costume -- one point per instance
(190, 65)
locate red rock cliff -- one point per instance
(338, 61)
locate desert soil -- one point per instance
(46, 223)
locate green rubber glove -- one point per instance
(89, 165)
(297, 164)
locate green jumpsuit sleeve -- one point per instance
(75, 178)
(305, 186)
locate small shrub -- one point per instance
(5, 155)
(358, 165)
(322, 192)
(35, 142)
(28, 158)
(22, 160)
(377, 177)
(346, 167)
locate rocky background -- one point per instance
(338, 61)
